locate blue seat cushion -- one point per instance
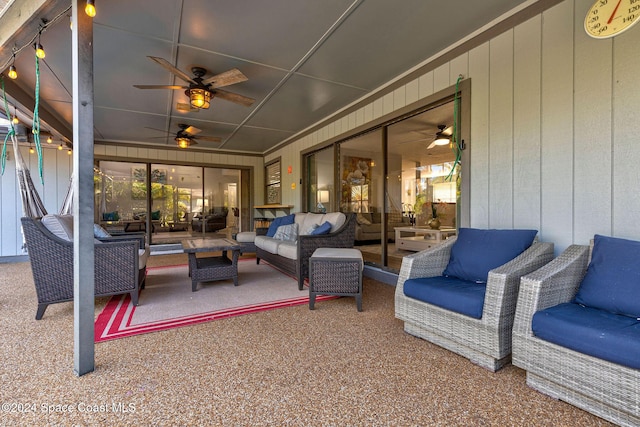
(476, 252)
(612, 281)
(277, 222)
(591, 331)
(450, 293)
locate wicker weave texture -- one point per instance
(116, 266)
(485, 341)
(335, 276)
(606, 389)
(344, 237)
(207, 269)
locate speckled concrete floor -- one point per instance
(287, 367)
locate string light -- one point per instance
(69, 152)
(31, 150)
(60, 147)
(15, 120)
(49, 139)
(90, 8)
(40, 53)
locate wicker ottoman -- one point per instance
(246, 240)
(335, 271)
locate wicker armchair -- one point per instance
(116, 266)
(485, 341)
(606, 389)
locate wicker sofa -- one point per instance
(485, 340)
(119, 265)
(293, 256)
(605, 388)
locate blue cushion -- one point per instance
(461, 296)
(612, 281)
(325, 228)
(277, 222)
(476, 252)
(591, 331)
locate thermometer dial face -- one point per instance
(608, 18)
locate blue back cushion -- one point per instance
(476, 252)
(612, 281)
(277, 222)
(591, 331)
(325, 228)
(452, 294)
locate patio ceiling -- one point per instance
(304, 61)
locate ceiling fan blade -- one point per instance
(192, 130)
(167, 65)
(433, 144)
(161, 87)
(186, 107)
(209, 138)
(234, 97)
(448, 131)
(227, 78)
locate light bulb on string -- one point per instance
(15, 120)
(31, 150)
(49, 139)
(60, 147)
(40, 53)
(13, 72)
(90, 8)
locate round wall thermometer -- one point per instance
(608, 18)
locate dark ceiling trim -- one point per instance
(502, 26)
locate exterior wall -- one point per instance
(554, 141)
(57, 169)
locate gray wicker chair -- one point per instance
(485, 341)
(116, 266)
(606, 389)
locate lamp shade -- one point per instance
(183, 142)
(199, 98)
(323, 196)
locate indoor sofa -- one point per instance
(215, 220)
(369, 225)
(577, 329)
(291, 240)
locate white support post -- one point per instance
(83, 210)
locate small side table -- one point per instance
(335, 271)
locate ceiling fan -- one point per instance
(200, 90)
(443, 136)
(186, 136)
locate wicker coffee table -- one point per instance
(206, 269)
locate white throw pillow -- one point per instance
(287, 232)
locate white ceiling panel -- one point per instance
(304, 60)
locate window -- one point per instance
(272, 182)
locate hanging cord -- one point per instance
(11, 131)
(36, 120)
(455, 145)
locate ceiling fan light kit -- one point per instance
(199, 98)
(183, 142)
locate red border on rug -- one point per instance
(108, 324)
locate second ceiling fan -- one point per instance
(200, 90)
(186, 136)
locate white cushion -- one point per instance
(338, 253)
(288, 250)
(336, 219)
(246, 237)
(306, 221)
(59, 225)
(268, 244)
(99, 232)
(143, 254)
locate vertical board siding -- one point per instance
(526, 124)
(626, 136)
(592, 137)
(557, 125)
(479, 143)
(501, 131)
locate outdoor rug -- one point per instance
(167, 301)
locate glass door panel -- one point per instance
(320, 190)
